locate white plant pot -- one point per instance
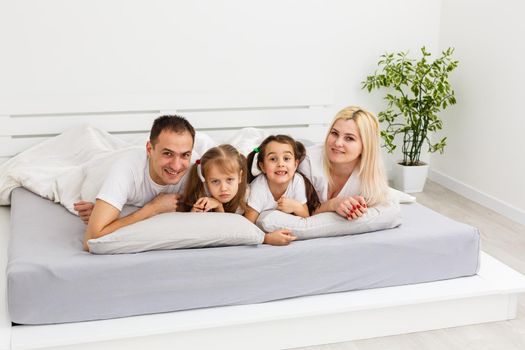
(409, 179)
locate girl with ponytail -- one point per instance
(276, 184)
(217, 182)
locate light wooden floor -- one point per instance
(500, 237)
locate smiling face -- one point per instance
(223, 186)
(344, 144)
(169, 157)
(279, 163)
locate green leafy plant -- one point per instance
(418, 90)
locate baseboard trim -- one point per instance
(478, 196)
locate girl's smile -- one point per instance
(279, 164)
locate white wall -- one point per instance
(63, 47)
(484, 158)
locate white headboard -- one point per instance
(29, 121)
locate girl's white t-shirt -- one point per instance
(261, 198)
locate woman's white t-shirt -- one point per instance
(261, 198)
(312, 168)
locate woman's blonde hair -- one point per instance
(374, 186)
(230, 161)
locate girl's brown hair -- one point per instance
(299, 152)
(229, 160)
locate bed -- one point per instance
(446, 283)
(51, 280)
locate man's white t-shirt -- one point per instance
(312, 168)
(261, 197)
(129, 182)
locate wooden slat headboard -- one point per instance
(25, 123)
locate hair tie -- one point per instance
(256, 150)
(255, 169)
(199, 170)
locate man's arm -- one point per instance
(104, 218)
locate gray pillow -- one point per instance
(179, 230)
(330, 224)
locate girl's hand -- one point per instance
(350, 207)
(279, 237)
(205, 204)
(288, 205)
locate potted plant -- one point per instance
(417, 91)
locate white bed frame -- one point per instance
(491, 295)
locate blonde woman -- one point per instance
(347, 170)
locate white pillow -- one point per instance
(330, 224)
(246, 139)
(401, 197)
(179, 230)
(203, 142)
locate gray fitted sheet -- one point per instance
(52, 280)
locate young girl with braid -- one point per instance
(277, 184)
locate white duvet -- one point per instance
(38, 168)
(72, 165)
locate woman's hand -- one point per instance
(351, 207)
(279, 237)
(205, 204)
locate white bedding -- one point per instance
(38, 167)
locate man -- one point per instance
(151, 181)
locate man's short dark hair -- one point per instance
(174, 123)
